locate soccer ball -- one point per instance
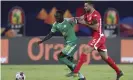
(20, 76)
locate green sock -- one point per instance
(80, 75)
(70, 65)
(66, 61)
(72, 68)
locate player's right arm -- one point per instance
(75, 20)
(53, 30)
(80, 18)
(46, 38)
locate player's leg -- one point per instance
(70, 50)
(104, 55)
(81, 76)
(67, 51)
(83, 57)
(70, 58)
(109, 61)
(63, 59)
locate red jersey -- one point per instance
(91, 16)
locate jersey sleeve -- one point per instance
(54, 29)
(71, 20)
(93, 19)
(88, 19)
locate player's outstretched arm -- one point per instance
(72, 20)
(80, 18)
(93, 24)
(75, 19)
(46, 38)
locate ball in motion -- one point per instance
(20, 76)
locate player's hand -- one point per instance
(77, 18)
(72, 19)
(39, 42)
(81, 21)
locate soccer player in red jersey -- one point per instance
(92, 19)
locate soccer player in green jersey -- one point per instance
(65, 26)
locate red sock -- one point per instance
(82, 59)
(113, 65)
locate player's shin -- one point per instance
(82, 59)
(70, 67)
(63, 58)
(81, 76)
(109, 61)
(70, 58)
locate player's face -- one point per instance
(58, 17)
(87, 7)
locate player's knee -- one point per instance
(61, 55)
(104, 57)
(85, 50)
(103, 54)
(88, 50)
(70, 58)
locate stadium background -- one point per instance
(20, 30)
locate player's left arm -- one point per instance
(53, 30)
(46, 38)
(72, 20)
(75, 20)
(93, 23)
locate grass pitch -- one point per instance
(58, 72)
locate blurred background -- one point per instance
(21, 19)
(36, 19)
(23, 23)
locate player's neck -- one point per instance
(61, 21)
(91, 10)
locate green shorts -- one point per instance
(70, 48)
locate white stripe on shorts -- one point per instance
(71, 49)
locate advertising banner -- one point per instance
(4, 56)
(25, 50)
(127, 51)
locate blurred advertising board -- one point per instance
(24, 50)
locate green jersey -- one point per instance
(67, 30)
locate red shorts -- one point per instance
(98, 43)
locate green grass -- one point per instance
(57, 72)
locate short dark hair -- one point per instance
(60, 12)
(90, 3)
